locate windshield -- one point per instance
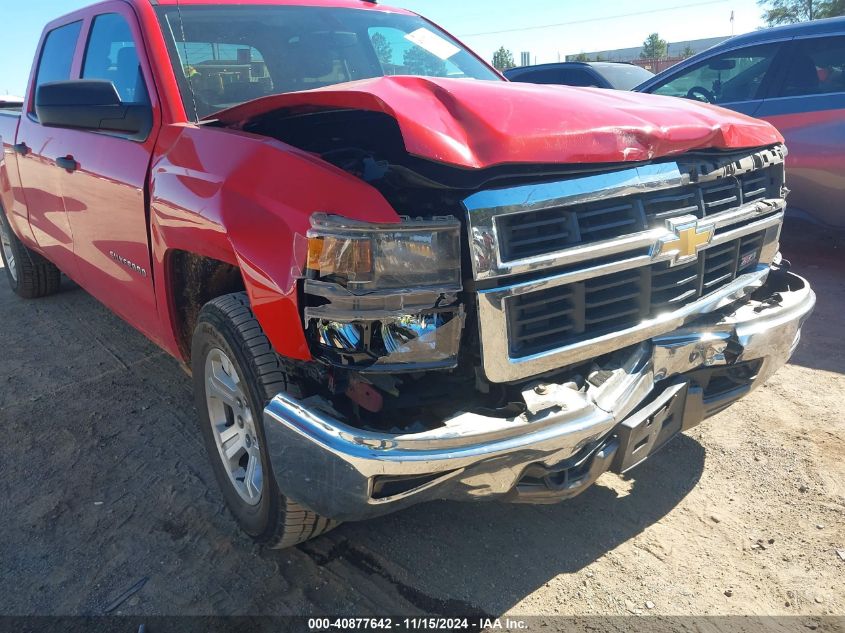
(624, 76)
(225, 56)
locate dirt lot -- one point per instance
(105, 483)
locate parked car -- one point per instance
(794, 77)
(391, 289)
(617, 75)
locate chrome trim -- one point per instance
(485, 208)
(500, 367)
(492, 316)
(579, 262)
(331, 468)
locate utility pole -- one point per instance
(810, 8)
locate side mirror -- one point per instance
(90, 104)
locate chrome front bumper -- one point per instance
(349, 474)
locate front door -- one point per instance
(105, 189)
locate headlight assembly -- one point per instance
(364, 257)
(384, 297)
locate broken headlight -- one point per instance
(364, 257)
(384, 297)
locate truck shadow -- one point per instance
(494, 555)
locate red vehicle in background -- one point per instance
(794, 78)
(394, 276)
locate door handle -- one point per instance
(21, 148)
(67, 163)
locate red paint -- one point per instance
(484, 123)
(247, 200)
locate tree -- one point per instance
(654, 47)
(419, 61)
(384, 51)
(791, 11)
(687, 52)
(503, 59)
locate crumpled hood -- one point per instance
(478, 124)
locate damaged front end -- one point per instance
(571, 430)
(522, 329)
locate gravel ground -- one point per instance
(104, 483)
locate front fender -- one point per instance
(247, 200)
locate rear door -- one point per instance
(39, 148)
(737, 79)
(105, 195)
(807, 105)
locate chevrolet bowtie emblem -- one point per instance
(688, 237)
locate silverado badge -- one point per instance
(687, 238)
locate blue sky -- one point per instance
(569, 26)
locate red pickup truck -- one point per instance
(395, 276)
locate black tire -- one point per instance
(228, 324)
(34, 276)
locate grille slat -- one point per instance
(529, 226)
(535, 240)
(610, 298)
(546, 317)
(528, 333)
(552, 318)
(613, 315)
(681, 297)
(606, 226)
(713, 282)
(595, 212)
(536, 233)
(672, 284)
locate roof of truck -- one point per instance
(340, 4)
(356, 4)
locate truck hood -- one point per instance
(477, 124)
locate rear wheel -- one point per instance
(236, 373)
(28, 273)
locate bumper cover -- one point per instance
(565, 441)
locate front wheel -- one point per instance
(236, 373)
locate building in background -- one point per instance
(676, 51)
(525, 58)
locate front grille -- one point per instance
(548, 319)
(535, 233)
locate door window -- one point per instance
(816, 66)
(578, 77)
(560, 76)
(57, 54)
(727, 78)
(111, 55)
